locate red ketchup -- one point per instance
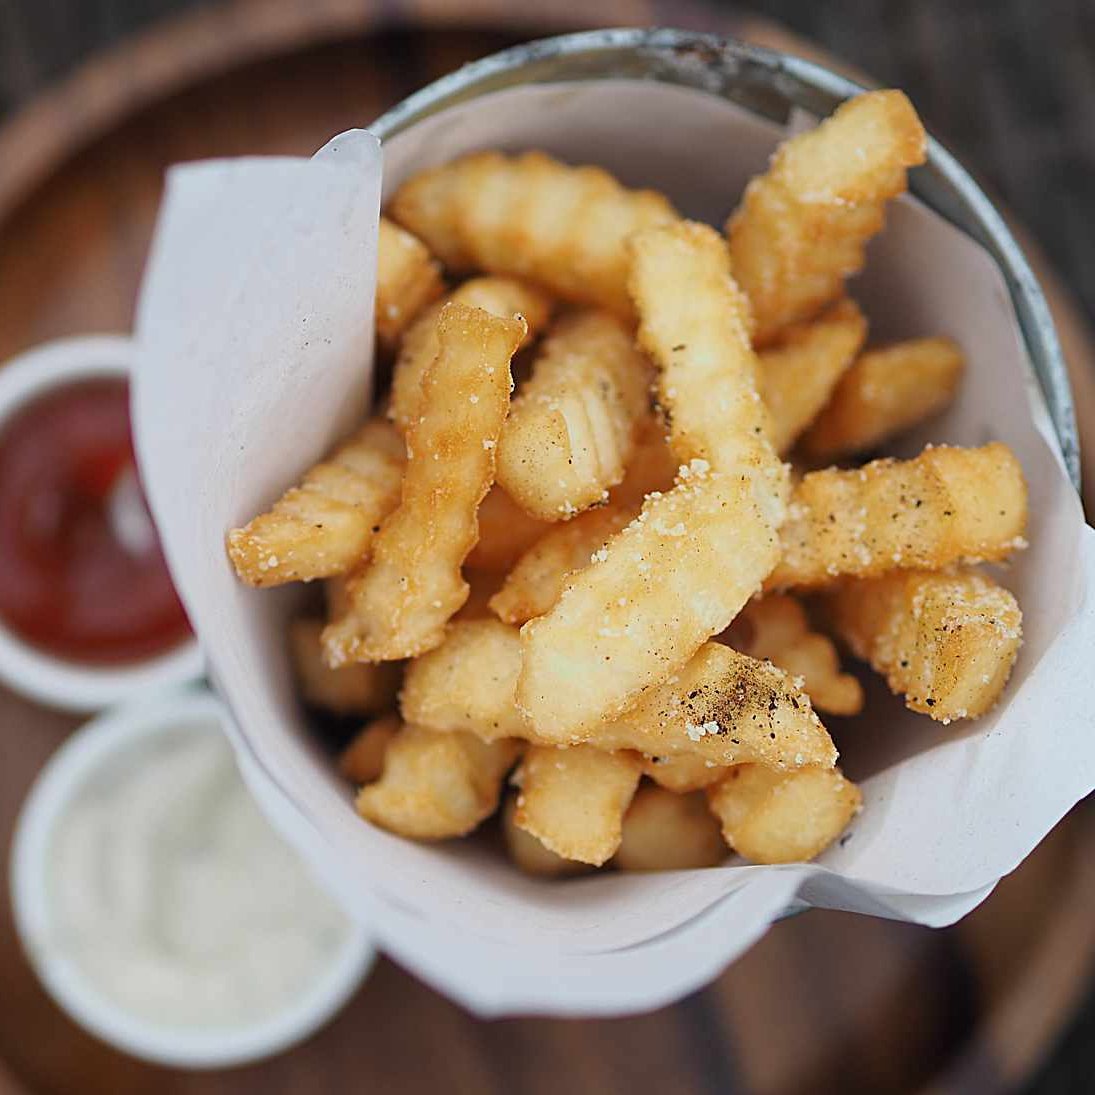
(82, 575)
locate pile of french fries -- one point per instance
(610, 596)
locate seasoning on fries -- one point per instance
(944, 640)
(946, 506)
(776, 628)
(722, 706)
(605, 591)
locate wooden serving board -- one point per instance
(825, 1001)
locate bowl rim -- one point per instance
(769, 83)
(30, 670)
(110, 734)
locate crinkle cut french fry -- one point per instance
(500, 296)
(573, 426)
(722, 706)
(348, 690)
(467, 682)
(946, 506)
(407, 279)
(573, 800)
(436, 786)
(362, 761)
(528, 854)
(531, 216)
(537, 579)
(801, 227)
(506, 532)
(693, 323)
(658, 590)
(683, 772)
(946, 641)
(324, 526)
(663, 831)
(776, 628)
(769, 816)
(800, 371)
(413, 585)
(885, 392)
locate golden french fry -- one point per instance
(506, 532)
(325, 525)
(801, 227)
(348, 690)
(683, 772)
(574, 424)
(946, 506)
(401, 602)
(573, 800)
(693, 323)
(407, 279)
(799, 372)
(362, 761)
(506, 297)
(657, 591)
(436, 786)
(667, 832)
(776, 628)
(886, 391)
(537, 579)
(722, 706)
(769, 816)
(528, 854)
(531, 216)
(947, 641)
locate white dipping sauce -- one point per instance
(176, 899)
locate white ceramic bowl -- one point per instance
(36, 673)
(85, 753)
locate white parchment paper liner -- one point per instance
(255, 334)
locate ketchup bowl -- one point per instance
(88, 614)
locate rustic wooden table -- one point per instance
(825, 1002)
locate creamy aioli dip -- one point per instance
(176, 899)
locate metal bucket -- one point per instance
(769, 84)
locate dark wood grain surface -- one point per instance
(825, 1002)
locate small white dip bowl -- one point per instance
(87, 754)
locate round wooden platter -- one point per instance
(826, 1001)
